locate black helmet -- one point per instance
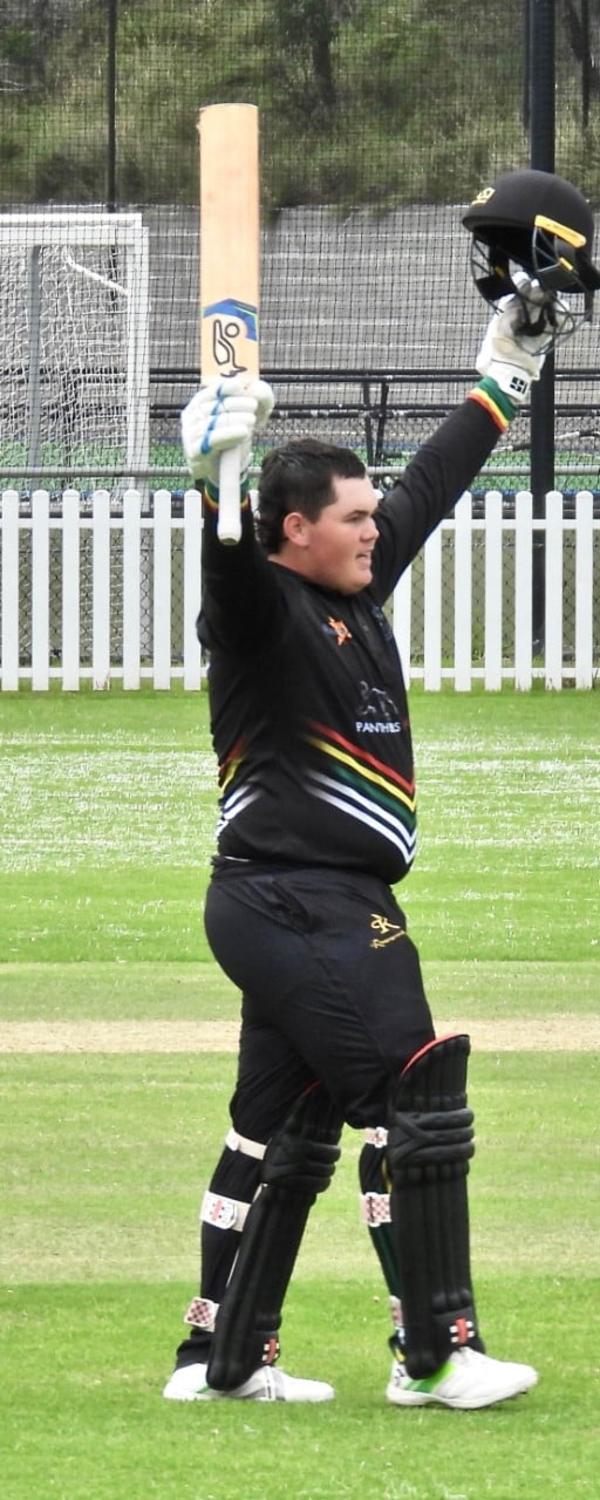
(540, 222)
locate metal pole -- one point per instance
(111, 106)
(526, 102)
(586, 64)
(542, 138)
(34, 367)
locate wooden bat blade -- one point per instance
(229, 264)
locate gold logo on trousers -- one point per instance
(390, 931)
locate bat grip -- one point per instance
(229, 521)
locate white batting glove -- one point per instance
(224, 413)
(519, 336)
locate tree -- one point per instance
(310, 28)
(578, 26)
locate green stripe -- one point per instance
(375, 794)
(431, 1382)
(500, 399)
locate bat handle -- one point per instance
(229, 522)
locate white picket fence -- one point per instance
(145, 552)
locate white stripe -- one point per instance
(245, 1145)
(223, 1213)
(228, 817)
(229, 799)
(394, 821)
(406, 847)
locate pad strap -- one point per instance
(202, 1313)
(375, 1209)
(237, 1142)
(222, 1212)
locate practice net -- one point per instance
(74, 345)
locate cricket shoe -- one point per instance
(268, 1383)
(466, 1381)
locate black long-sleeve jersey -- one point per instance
(309, 713)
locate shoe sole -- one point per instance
(210, 1395)
(425, 1398)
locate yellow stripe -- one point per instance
(494, 411)
(230, 772)
(355, 765)
(572, 236)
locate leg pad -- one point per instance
(299, 1163)
(430, 1144)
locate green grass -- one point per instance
(100, 1431)
(108, 819)
(137, 1136)
(92, 1423)
(199, 992)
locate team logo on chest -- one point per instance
(377, 712)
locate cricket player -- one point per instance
(311, 729)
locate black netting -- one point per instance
(379, 121)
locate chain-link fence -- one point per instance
(379, 120)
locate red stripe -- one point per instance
(232, 754)
(449, 1037)
(490, 407)
(409, 786)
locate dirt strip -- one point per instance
(554, 1033)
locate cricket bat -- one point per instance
(229, 268)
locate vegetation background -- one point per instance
(373, 102)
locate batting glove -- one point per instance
(519, 336)
(224, 413)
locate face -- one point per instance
(336, 550)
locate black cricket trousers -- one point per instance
(331, 985)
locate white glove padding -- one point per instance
(519, 336)
(223, 414)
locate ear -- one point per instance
(296, 528)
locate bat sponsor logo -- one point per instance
(233, 323)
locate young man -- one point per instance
(311, 728)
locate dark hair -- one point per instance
(298, 476)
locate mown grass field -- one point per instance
(113, 1110)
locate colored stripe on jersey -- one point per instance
(363, 787)
(231, 763)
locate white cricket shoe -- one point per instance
(268, 1383)
(466, 1381)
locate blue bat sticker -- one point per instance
(243, 311)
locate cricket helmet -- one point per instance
(538, 223)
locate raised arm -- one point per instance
(447, 463)
(241, 603)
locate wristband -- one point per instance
(495, 401)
